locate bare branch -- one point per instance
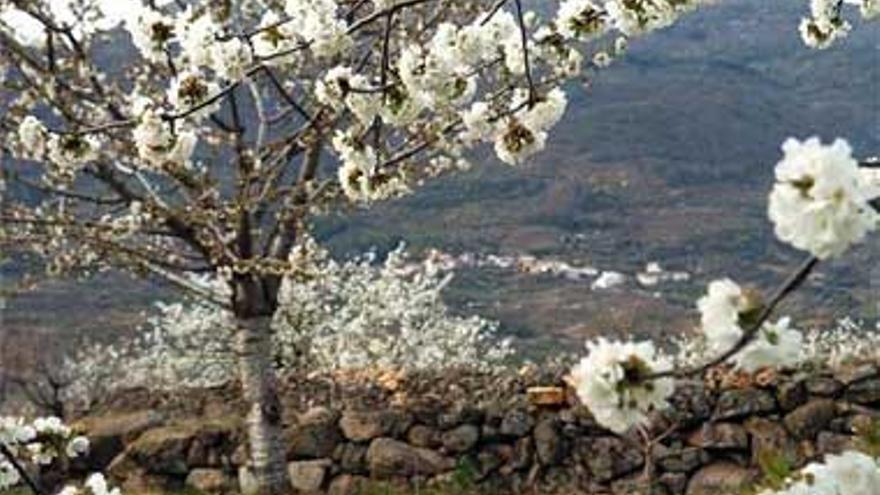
(283, 93)
(525, 47)
(494, 10)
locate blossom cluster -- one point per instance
(67, 153)
(95, 484)
(820, 202)
(847, 342)
(36, 443)
(613, 381)
(849, 473)
(442, 78)
(726, 309)
(826, 24)
(255, 82)
(156, 143)
(358, 314)
(340, 315)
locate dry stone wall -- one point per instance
(711, 441)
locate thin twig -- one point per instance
(213, 98)
(382, 13)
(871, 162)
(283, 93)
(524, 37)
(491, 13)
(383, 77)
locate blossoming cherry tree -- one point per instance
(208, 151)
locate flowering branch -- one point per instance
(22, 472)
(823, 203)
(42, 442)
(794, 281)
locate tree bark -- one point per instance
(260, 391)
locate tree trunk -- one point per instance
(259, 387)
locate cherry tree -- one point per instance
(352, 315)
(202, 137)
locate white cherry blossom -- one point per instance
(32, 136)
(776, 345)
(157, 145)
(582, 19)
(151, 32)
(820, 200)
(849, 473)
(609, 381)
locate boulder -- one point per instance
(108, 435)
(769, 438)
(309, 476)
(608, 458)
(741, 403)
(214, 442)
(317, 415)
(209, 480)
(346, 484)
(834, 443)
(675, 483)
(458, 415)
(720, 436)
(791, 394)
(720, 478)
(122, 467)
(549, 444)
(365, 426)
(852, 374)
(387, 457)
(637, 485)
(690, 404)
(142, 482)
(162, 450)
(823, 386)
(312, 441)
(864, 391)
(808, 420)
(517, 423)
(461, 439)
(521, 456)
(681, 459)
(175, 449)
(490, 458)
(424, 436)
(352, 458)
